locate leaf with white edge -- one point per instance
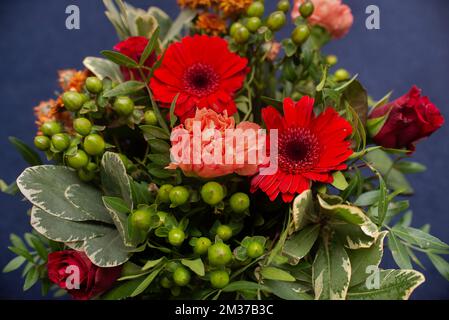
(352, 236)
(301, 208)
(45, 186)
(331, 271)
(119, 210)
(440, 264)
(103, 68)
(361, 259)
(62, 230)
(393, 285)
(196, 266)
(300, 244)
(114, 178)
(272, 273)
(288, 290)
(399, 252)
(78, 246)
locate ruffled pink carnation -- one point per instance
(201, 160)
(332, 15)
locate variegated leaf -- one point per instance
(114, 178)
(103, 68)
(302, 207)
(120, 217)
(331, 271)
(393, 285)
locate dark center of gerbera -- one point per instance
(299, 150)
(201, 80)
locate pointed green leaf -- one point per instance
(14, 264)
(28, 154)
(103, 68)
(399, 252)
(196, 266)
(120, 59)
(272, 273)
(300, 244)
(440, 264)
(124, 89)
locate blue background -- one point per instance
(411, 48)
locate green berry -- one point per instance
(141, 220)
(124, 106)
(212, 193)
(306, 9)
(179, 195)
(150, 118)
(78, 160)
(253, 24)
(284, 5)
(94, 144)
(73, 101)
(42, 142)
(51, 128)
(82, 126)
(219, 279)
(300, 34)
(86, 175)
(256, 9)
(224, 232)
(60, 141)
(166, 283)
(219, 254)
(234, 27)
(91, 166)
(342, 75)
(276, 21)
(94, 85)
(181, 276)
(164, 193)
(202, 245)
(254, 250)
(176, 237)
(239, 202)
(331, 60)
(241, 35)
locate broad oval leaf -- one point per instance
(302, 208)
(103, 68)
(300, 244)
(196, 266)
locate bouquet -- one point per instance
(203, 158)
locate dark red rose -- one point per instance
(408, 119)
(93, 280)
(133, 47)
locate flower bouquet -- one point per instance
(200, 158)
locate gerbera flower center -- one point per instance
(299, 150)
(201, 80)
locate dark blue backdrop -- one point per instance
(411, 48)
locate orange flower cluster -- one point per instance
(195, 4)
(228, 7)
(211, 24)
(72, 79)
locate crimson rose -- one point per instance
(133, 48)
(93, 280)
(407, 120)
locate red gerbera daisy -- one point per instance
(309, 148)
(204, 73)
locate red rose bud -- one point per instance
(403, 122)
(72, 270)
(133, 48)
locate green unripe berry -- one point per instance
(166, 283)
(239, 202)
(256, 9)
(284, 5)
(300, 34)
(276, 21)
(73, 101)
(253, 24)
(60, 141)
(219, 279)
(51, 128)
(306, 9)
(331, 60)
(124, 106)
(181, 276)
(150, 118)
(164, 193)
(91, 166)
(42, 142)
(82, 126)
(254, 250)
(141, 220)
(202, 245)
(176, 237)
(224, 232)
(342, 75)
(86, 175)
(78, 160)
(179, 195)
(212, 193)
(241, 35)
(234, 27)
(219, 254)
(94, 85)
(94, 144)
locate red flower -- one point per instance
(309, 148)
(93, 280)
(133, 47)
(204, 73)
(408, 119)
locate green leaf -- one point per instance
(272, 273)
(31, 278)
(289, 47)
(300, 244)
(10, 189)
(399, 252)
(14, 264)
(331, 271)
(153, 132)
(159, 146)
(114, 178)
(409, 167)
(357, 98)
(103, 68)
(120, 59)
(196, 266)
(244, 286)
(173, 117)
(122, 291)
(152, 263)
(17, 241)
(39, 247)
(119, 212)
(288, 290)
(150, 47)
(393, 285)
(382, 204)
(124, 89)
(339, 181)
(159, 159)
(23, 253)
(145, 283)
(440, 264)
(28, 154)
(185, 17)
(368, 198)
(302, 208)
(420, 238)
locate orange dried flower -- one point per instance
(195, 4)
(53, 110)
(211, 24)
(72, 79)
(234, 7)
